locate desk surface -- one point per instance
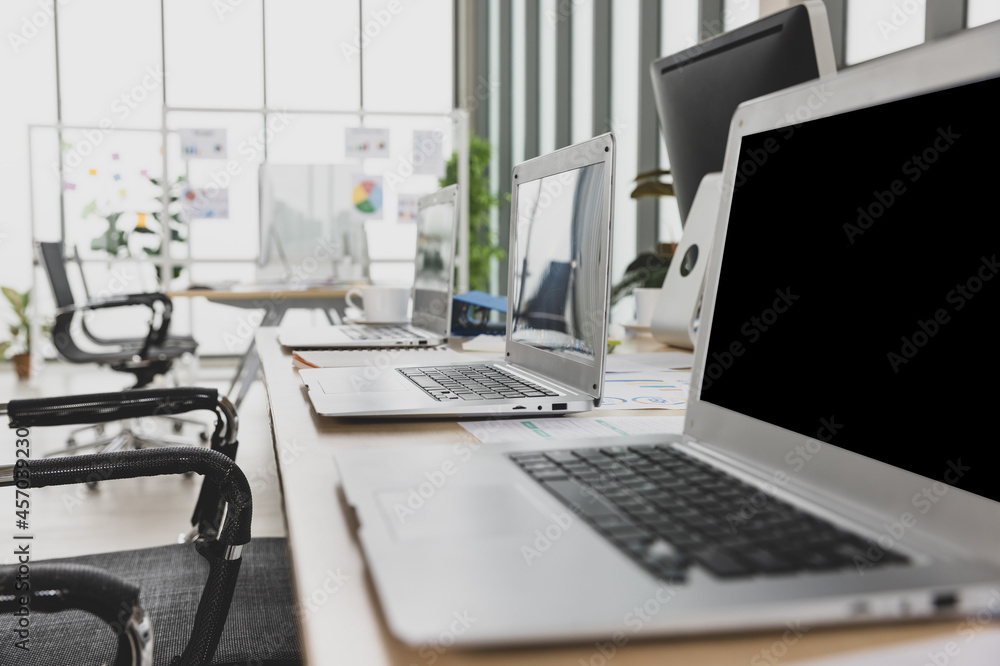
(262, 293)
(340, 618)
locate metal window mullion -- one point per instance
(505, 152)
(944, 17)
(648, 209)
(710, 23)
(836, 12)
(481, 43)
(165, 260)
(602, 67)
(564, 76)
(532, 91)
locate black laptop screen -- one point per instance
(860, 283)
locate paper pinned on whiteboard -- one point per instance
(203, 143)
(366, 142)
(428, 154)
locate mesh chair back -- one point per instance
(51, 255)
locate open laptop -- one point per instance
(836, 462)
(434, 268)
(558, 287)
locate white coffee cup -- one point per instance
(645, 304)
(381, 304)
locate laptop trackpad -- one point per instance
(358, 383)
(462, 512)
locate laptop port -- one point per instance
(556, 406)
(520, 407)
(944, 601)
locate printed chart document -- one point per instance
(650, 389)
(534, 430)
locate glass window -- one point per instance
(739, 12)
(625, 68)
(407, 55)
(878, 27)
(582, 65)
(547, 77)
(979, 12)
(313, 55)
(517, 83)
(678, 31)
(215, 54)
(110, 73)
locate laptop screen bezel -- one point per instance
(428, 321)
(584, 377)
(882, 489)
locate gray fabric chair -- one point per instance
(232, 604)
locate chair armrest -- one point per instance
(223, 550)
(104, 407)
(156, 335)
(60, 587)
(117, 301)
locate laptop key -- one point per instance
(719, 563)
(580, 499)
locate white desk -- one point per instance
(341, 621)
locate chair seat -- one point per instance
(261, 628)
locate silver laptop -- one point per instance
(434, 268)
(836, 462)
(558, 287)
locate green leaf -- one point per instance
(4, 346)
(15, 299)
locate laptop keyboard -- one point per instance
(378, 333)
(472, 382)
(667, 510)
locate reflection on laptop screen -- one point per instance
(434, 261)
(557, 293)
(859, 287)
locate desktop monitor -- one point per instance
(307, 229)
(698, 89)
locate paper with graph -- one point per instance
(651, 389)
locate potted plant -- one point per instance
(19, 346)
(649, 269)
(483, 245)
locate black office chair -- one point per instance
(233, 605)
(145, 357)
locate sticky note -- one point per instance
(69, 186)
(142, 221)
(93, 172)
(118, 177)
(114, 156)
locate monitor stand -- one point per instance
(676, 313)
